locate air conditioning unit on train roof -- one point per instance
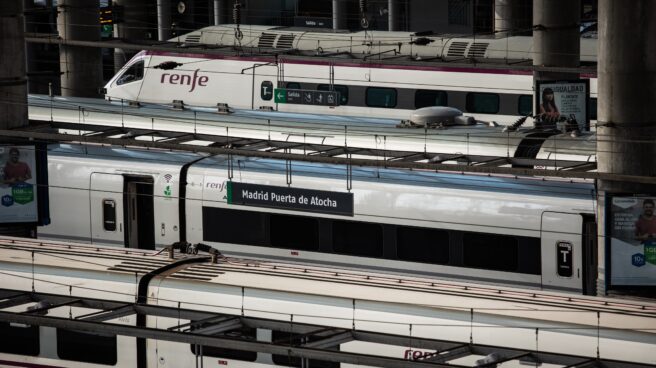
(440, 116)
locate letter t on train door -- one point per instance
(561, 251)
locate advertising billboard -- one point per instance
(632, 241)
(557, 99)
(18, 184)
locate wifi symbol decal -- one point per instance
(168, 177)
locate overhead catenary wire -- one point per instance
(353, 126)
(301, 169)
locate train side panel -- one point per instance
(400, 312)
(513, 218)
(248, 82)
(69, 186)
(93, 199)
(52, 347)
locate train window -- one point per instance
(358, 238)
(24, 339)
(343, 91)
(134, 73)
(228, 226)
(483, 103)
(490, 251)
(109, 215)
(530, 257)
(292, 339)
(293, 85)
(241, 333)
(424, 98)
(380, 97)
(422, 245)
(266, 90)
(86, 347)
(294, 232)
(525, 105)
(592, 108)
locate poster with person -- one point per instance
(18, 199)
(633, 241)
(555, 99)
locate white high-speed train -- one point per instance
(263, 314)
(366, 85)
(531, 233)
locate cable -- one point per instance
(353, 124)
(460, 139)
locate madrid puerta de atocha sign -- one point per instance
(334, 203)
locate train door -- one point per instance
(106, 199)
(263, 85)
(139, 213)
(590, 255)
(562, 255)
(122, 210)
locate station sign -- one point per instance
(298, 199)
(112, 14)
(313, 22)
(306, 97)
(631, 244)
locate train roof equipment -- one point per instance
(319, 135)
(375, 44)
(29, 262)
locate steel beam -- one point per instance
(107, 315)
(220, 327)
(450, 354)
(321, 350)
(373, 162)
(331, 341)
(17, 300)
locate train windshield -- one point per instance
(134, 73)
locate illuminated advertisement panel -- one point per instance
(555, 99)
(632, 241)
(18, 184)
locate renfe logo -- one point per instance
(185, 79)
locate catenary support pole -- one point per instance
(339, 14)
(393, 15)
(133, 26)
(81, 67)
(505, 14)
(13, 83)
(219, 7)
(163, 20)
(556, 39)
(627, 96)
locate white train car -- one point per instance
(372, 88)
(604, 331)
(557, 146)
(531, 233)
(417, 46)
